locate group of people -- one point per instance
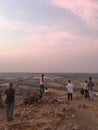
(10, 97)
(10, 94)
(87, 89)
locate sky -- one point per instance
(49, 36)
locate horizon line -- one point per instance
(56, 72)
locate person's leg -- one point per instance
(7, 107)
(41, 89)
(87, 94)
(11, 111)
(90, 94)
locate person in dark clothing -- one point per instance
(90, 86)
(9, 102)
(42, 83)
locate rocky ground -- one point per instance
(52, 112)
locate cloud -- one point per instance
(49, 39)
(43, 36)
(9, 24)
(87, 10)
(17, 25)
(60, 39)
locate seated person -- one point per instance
(46, 90)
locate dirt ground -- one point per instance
(79, 114)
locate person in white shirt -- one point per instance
(42, 82)
(70, 87)
(85, 87)
(46, 90)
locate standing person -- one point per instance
(70, 87)
(82, 89)
(10, 99)
(42, 83)
(86, 93)
(90, 86)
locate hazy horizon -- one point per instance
(49, 36)
(50, 72)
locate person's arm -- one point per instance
(66, 86)
(45, 82)
(93, 86)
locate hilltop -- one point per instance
(52, 112)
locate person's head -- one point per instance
(46, 88)
(86, 81)
(10, 84)
(90, 78)
(69, 81)
(42, 75)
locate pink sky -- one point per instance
(55, 43)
